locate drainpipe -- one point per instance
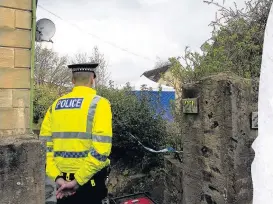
(34, 7)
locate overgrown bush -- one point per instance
(174, 129)
(174, 135)
(44, 96)
(134, 115)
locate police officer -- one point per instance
(78, 131)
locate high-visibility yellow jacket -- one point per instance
(78, 131)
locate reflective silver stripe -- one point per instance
(82, 135)
(72, 135)
(46, 138)
(91, 113)
(102, 139)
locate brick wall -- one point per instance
(15, 49)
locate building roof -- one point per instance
(156, 74)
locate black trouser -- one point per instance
(88, 193)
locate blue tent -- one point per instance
(161, 95)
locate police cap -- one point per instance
(86, 67)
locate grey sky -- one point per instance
(150, 28)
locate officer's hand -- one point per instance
(67, 188)
(65, 193)
(60, 182)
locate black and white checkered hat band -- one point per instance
(83, 70)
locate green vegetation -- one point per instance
(235, 45)
(44, 96)
(135, 116)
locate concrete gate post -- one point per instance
(217, 141)
(217, 137)
(21, 154)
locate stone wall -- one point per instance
(22, 161)
(217, 152)
(173, 193)
(15, 45)
(22, 171)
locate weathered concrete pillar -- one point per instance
(217, 140)
(21, 171)
(21, 155)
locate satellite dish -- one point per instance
(45, 30)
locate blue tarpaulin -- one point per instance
(161, 102)
(161, 95)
